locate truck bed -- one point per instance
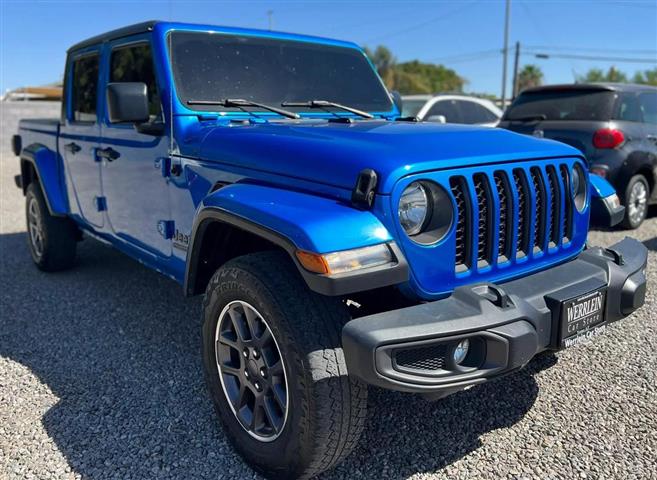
(43, 131)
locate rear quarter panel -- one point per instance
(39, 138)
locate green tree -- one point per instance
(420, 77)
(529, 76)
(597, 75)
(385, 63)
(647, 77)
(414, 76)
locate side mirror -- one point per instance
(127, 102)
(397, 99)
(437, 118)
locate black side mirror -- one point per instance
(127, 102)
(397, 99)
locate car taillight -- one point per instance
(608, 138)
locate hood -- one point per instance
(334, 153)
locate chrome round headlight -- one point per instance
(578, 186)
(426, 212)
(413, 208)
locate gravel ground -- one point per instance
(100, 377)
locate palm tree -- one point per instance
(529, 76)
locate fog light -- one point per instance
(461, 351)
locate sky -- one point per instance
(466, 35)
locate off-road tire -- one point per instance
(327, 408)
(628, 221)
(58, 235)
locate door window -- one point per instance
(648, 103)
(85, 88)
(629, 109)
(446, 108)
(134, 63)
(472, 112)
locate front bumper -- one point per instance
(411, 349)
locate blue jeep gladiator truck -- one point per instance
(337, 245)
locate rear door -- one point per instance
(80, 136)
(648, 104)
(133, 182)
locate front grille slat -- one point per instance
(505, 222)
(539, 208)
(463, 235)
(555, 207)
(524, 206)
(568, 204)
(485, 220)
(511, 213)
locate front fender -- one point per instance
(604, 213)
(45, 163)
(299, 221)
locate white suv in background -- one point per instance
(451, 109)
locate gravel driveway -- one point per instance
(100, 377)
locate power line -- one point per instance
(588, 49)
(410, 28)
(467, 55)
(547, 55)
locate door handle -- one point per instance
(108, 154)
(72, 147)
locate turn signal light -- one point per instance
(312, 262)
(608, 138)
(346, 260)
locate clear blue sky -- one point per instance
(461, 34)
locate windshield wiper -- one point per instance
(323, 104)
(529, 118)
(240, 103)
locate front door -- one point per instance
(133, 182)
(80, 136)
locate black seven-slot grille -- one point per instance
(547, 222)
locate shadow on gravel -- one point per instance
(119, 345)
(651, 244)
(407, 435)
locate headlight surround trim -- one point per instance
(440, 215)
(578, 186)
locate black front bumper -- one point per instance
(411, 349)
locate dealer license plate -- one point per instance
(581, 318)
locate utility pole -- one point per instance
(515, 71)
(270, 16)
(506, 50)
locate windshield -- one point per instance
(209, 66)
(591, 105)
(410, 108)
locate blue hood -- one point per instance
(334, 154)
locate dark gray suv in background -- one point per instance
(614, 125)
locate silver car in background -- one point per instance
(451, 109)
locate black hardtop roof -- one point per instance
(607, 86)
(114, 34)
